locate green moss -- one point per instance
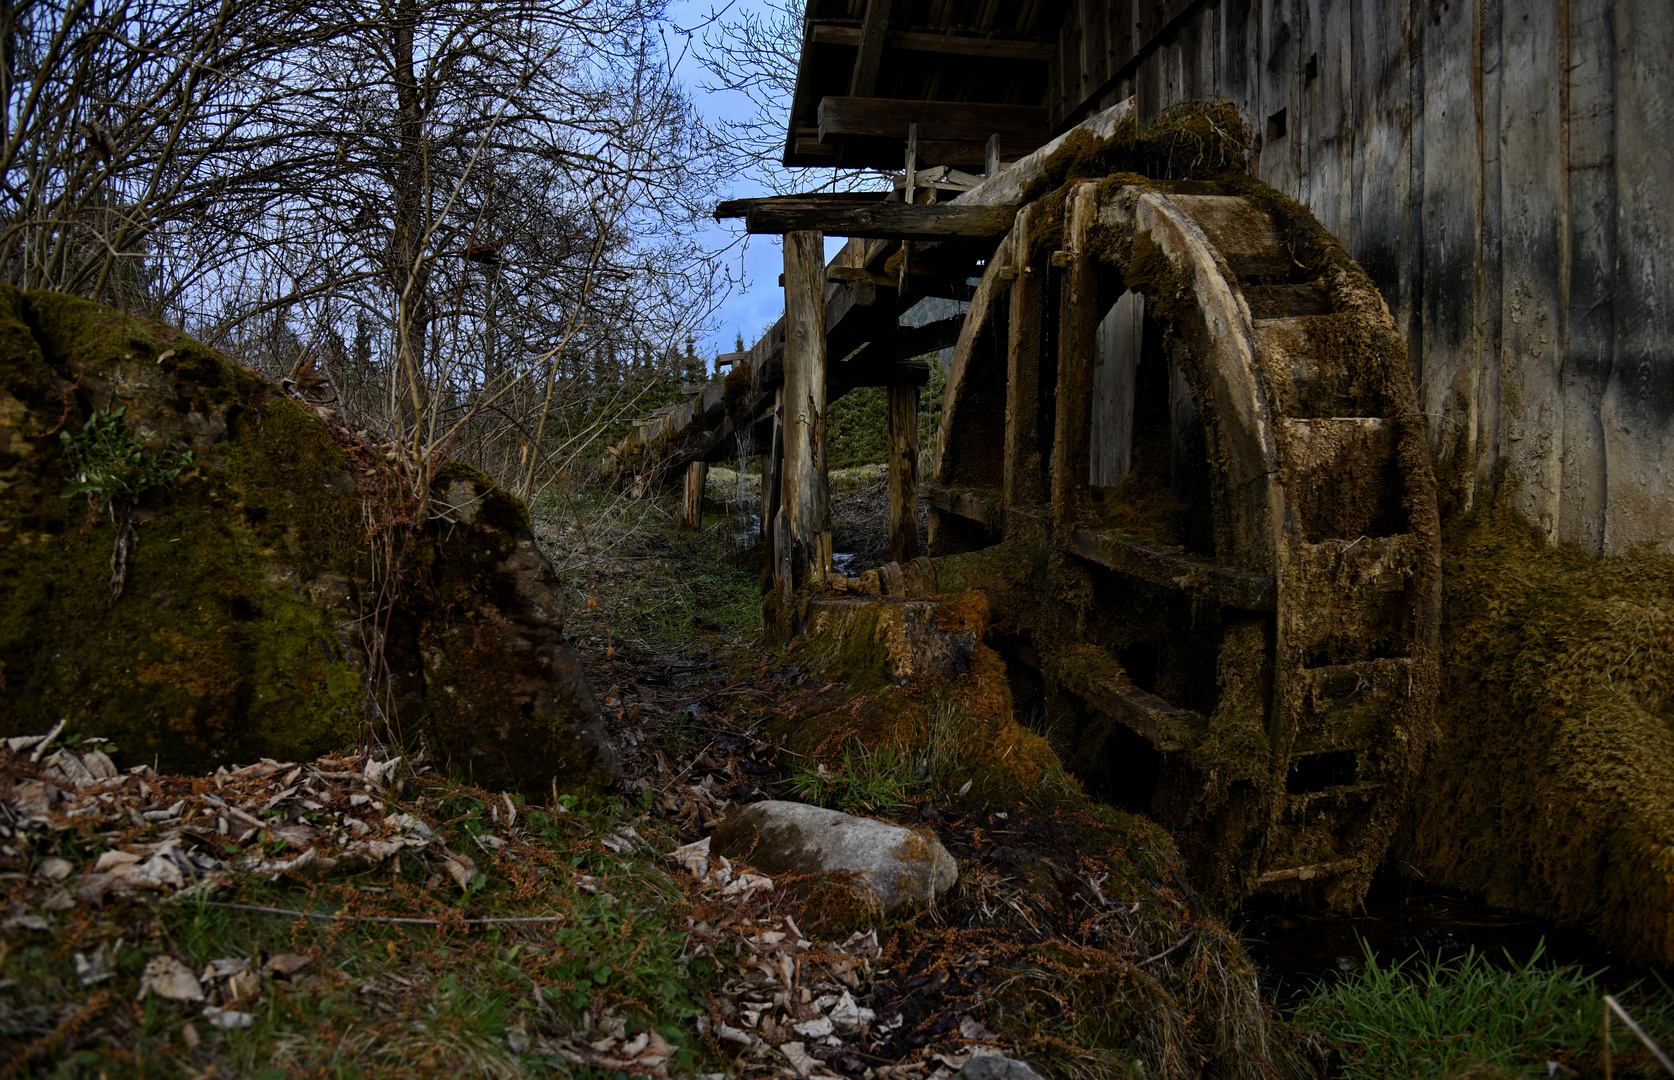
(1555, 734)
(214, 651)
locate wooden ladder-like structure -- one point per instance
(1311, 539)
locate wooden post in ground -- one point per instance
(1077, 335)
(691, 506)
(903, 473)
(804, 497)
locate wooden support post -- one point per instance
(991, 156)
(804, 496)
(1077, 334)
(772, 477)
(909, 195)
(1023, 487)
(903, 473)
(691, 506)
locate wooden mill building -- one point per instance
(1486, 319)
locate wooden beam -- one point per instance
(864, 81)
(903, 473)
(1023, 482)
(911, 341)
(691, 504)
(1173, 569)
(867, 370)
(877, 220)
(952, 121)
(804, 496)
(835, 200)
(1077, 333)
(989, 48)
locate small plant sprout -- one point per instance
(112, 468)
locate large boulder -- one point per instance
(884, 867)
(249, 623)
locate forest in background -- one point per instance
(471, 229)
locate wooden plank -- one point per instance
(805, 497)
(691, 502)
(1534, 254)
(1116, 363)
(1023, 480)
(1168, 728)
(1078, 328)
(952, 121)
(1174, 569)
(980, 506)
(1639, 422)
(903, 473)
(911, 341)
(1459, 254)
(952, 44)
(1592, 267)
(864, 81)
(882, 221)
(1383, 155)
(836, 200)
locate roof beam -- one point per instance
(875, 220)
(1039, 52)
(952, 121)
(864, 81)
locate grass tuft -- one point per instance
(1426, 1017)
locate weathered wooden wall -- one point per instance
(1502, 170)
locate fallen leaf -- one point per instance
(169, 978)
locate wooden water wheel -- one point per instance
(1200, 409)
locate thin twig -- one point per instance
(1165, 952)
(1613, 1006)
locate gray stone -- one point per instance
(886, 867)
(997, 1067)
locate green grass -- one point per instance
(647, 582)
(866, 781)
(1428, 1018)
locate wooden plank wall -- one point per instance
(1500, 169)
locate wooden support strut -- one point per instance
(1023, 477)
(805, 500)
(1077, 334)
(903, 473)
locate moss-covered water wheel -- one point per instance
(1189, 413)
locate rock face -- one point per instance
(887, 868)
(244, 627)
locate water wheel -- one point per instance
(1198, 407)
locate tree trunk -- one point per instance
(409, 274)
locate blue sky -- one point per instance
(751, 308)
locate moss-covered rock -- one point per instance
(242, 629)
